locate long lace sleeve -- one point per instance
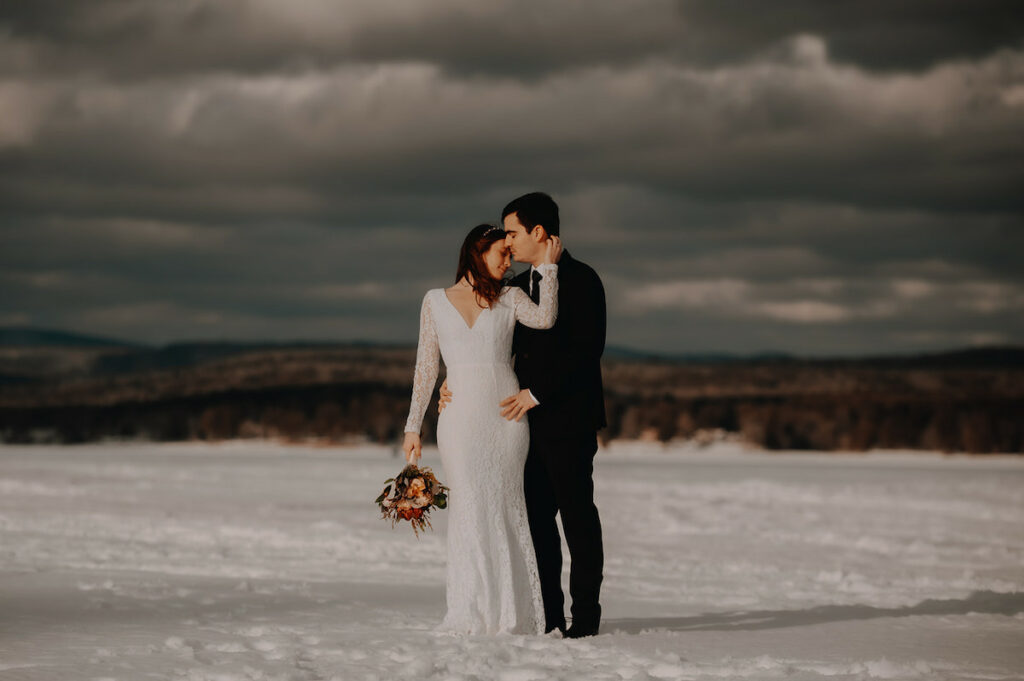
(543, 315)
(427, 368)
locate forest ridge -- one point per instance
(58, 387)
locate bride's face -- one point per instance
(497, 259)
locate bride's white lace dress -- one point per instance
(492, 583)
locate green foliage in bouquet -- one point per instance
(414, 492)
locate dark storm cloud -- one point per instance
(325, 143)
(131, 39)
(820, 177)
(876, 34)
(127, 39)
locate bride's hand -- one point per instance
(554, 251)
(412, 447)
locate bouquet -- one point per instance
(414, 492)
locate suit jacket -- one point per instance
(562, 365)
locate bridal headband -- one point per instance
(493, 229)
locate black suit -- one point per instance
(561, 366)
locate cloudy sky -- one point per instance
(801, 176)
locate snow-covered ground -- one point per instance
(248, 560)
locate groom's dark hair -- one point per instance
(535, 208)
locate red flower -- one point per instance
(410, 513)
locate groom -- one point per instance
(559, 371)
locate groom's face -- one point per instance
(525, 246)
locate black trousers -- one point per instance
(559, 478)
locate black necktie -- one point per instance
(535, 295)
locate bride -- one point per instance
(492, 582)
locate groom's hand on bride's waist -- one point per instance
(512, 407)
(517, 405)
(445, 398)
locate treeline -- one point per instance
(345, 394)
(837, 422)
(377, 413)
(334, 413)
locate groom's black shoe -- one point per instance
(581, 629)
(549, 627)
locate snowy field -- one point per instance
(260, 561)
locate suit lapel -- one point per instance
(522, 281)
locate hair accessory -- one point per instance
(492, 229)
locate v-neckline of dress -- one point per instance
(476, 321)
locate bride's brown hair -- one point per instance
(471, 262)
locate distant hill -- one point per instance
(980, 357)
(186, 354)
(624, 353)
(991, 356)
(26, 336)
(132, 356)
(961, 400)
(116, 356)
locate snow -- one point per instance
(262, 561)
